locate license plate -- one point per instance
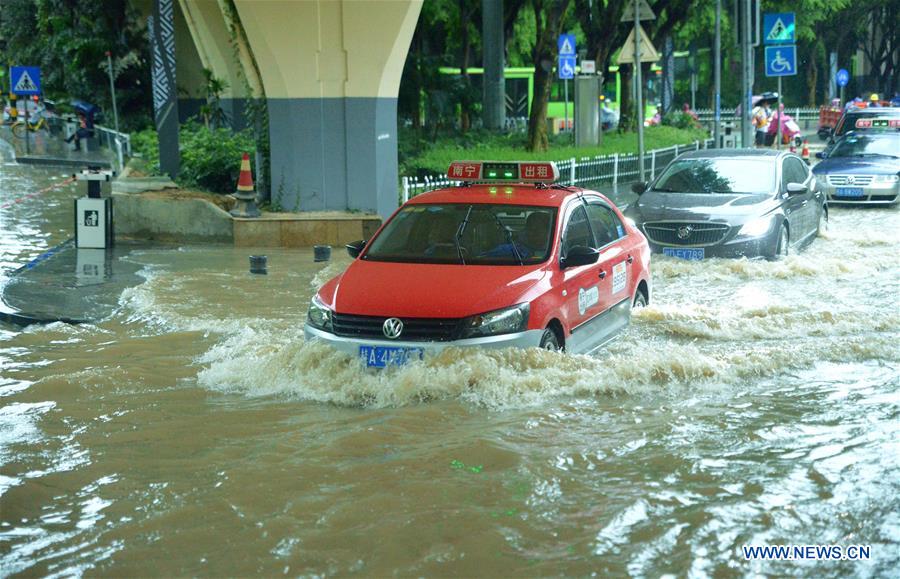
(383, 356)
(849, 192)
(690, 254)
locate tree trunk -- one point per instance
(464, 118)
(626, 102)
(548, 16)
(812, 74)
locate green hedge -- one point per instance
(210, 158)
(420, 156)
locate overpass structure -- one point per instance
(326, 73)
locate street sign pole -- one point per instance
(780, 113)
(566, 90)
(112, 90)
(27, 146)
(639, 97)
(747, 85)
(717, 129)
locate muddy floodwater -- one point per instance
(192, 431)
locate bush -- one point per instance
(210, 158)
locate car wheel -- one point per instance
(822, 230)
(782, 249)
(639, 301)
(549, 341)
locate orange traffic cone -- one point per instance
(804, 153)
(246, 196)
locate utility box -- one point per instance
(587, 111)
(93, 213)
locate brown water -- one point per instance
(194, 432)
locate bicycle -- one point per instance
(18, 127)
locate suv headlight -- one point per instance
(757, 227)
(319, 315)
(505, 321)
(887, 178)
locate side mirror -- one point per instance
(639, 188)
(796, 188)
(355, 248)
(580, 255)
(820, 155)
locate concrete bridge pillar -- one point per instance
(331, 71)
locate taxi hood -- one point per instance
(418, 290)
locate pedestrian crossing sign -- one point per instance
(25, 80)
(779, 28)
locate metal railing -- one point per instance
(608, 170)
(118, 143)
(798, 113)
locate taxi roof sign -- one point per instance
(504, 171)
(878, 123)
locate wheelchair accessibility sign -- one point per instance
(781, 60)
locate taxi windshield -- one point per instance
(466, 234)
(886, 145)
(718, 176)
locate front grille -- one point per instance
(414, 329)
(698, 234)
(850, 180)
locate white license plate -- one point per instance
(688, 253)
(384, 356)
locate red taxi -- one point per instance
(512, 261)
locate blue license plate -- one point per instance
(690, 254)
(849, 192)
(383, 356)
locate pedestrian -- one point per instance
(85, 129)
(761, 115)
(874, 101)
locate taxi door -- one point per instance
(580, 286)
(616, 262)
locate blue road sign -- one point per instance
(781, 60)
(566, 67)
(566, 44)
(779, 28)
(25, 80)
(842, 77)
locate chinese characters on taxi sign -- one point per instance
(544, 172)
(878, 123)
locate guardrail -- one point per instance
(118, 143)
(583, 171)
(798, 113)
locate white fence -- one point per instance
(798, 113)
(608, 170)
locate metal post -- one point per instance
(638, 89)
(566, 89)
(780, 113)
(27, 146)
(747, 84)
(652, 164)
(717, 70)
(615, 182)
(112, 90)
(572, 172)
(405, 189)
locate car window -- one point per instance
(718, 175)
(605, 224)
(794, 172)
(868, 145)
(578, 231)
(474, 234)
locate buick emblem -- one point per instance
(684, 231)
(392, 328)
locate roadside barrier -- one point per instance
(9, 204)
(610, 170)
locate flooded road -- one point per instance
(194, 432)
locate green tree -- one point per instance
(549, 16)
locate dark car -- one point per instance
(731, 203)
(869, 119)
(863, 167)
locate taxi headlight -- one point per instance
(319, 315)
(505, 321)
(756, 227)
(887, 178)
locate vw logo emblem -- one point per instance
(392, 328)
(851, 179)
(684, 231)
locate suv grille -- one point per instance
(667, 233)
(851, 180)
(414, 329)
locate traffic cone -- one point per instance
(804, 153)
(246, 196)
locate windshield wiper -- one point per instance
(459, 232)
(509, 239)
